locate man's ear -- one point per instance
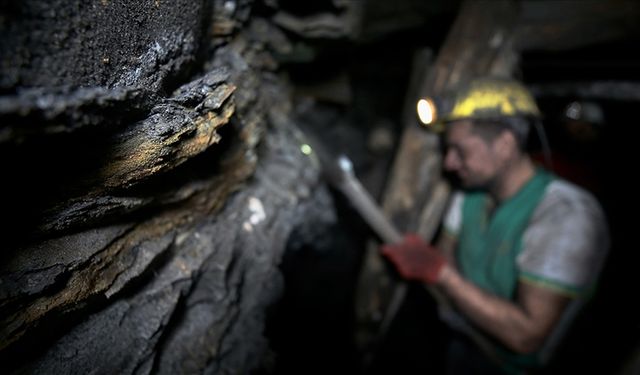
(506, 143)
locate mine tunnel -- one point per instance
(169, 185)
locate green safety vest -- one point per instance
(491, 238)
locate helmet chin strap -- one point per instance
(544, 142)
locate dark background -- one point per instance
(605, 337)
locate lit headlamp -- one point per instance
(427, 111)
(431, 113)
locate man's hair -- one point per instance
(490, 129)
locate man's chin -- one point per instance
(472, 185)
(466, 182)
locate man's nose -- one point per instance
(451, 162)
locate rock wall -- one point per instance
(152, 176)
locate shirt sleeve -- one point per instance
(565, 244)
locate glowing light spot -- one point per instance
(426, 111)
(306, 149)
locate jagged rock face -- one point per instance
(152, 178)
(99, 43)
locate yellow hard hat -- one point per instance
(483, 98)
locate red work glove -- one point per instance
(415, 259)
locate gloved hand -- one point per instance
(415, 259)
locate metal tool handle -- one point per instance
(359, 197)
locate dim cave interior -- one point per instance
(164, 212)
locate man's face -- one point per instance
(472, 158)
